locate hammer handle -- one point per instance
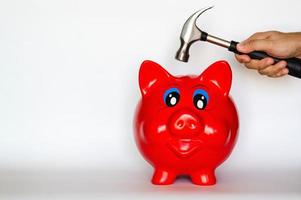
(293, 64)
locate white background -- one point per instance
(68, 91)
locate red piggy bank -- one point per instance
(185, 125)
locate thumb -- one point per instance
(254, 45)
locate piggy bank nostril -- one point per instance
(185, 122)
(192, 126)
(180, 124)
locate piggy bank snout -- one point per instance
(185, 124)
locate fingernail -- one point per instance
(270, 61)
(284, 71)
(282, 65)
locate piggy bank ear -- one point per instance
(151, 75)
(220, 74)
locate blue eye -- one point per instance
(171, 97)
(200, 99)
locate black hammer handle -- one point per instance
(293, 64)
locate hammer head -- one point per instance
(190, 34)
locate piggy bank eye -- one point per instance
(171, 97)
(200, 99)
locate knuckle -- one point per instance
(273, 75)
(273, 32)
(249, 66)
(278, 75)
(255, 35)
(261, 72)
(263, 64)
(252, 44)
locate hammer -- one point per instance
(191, 33)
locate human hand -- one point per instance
(276, 44)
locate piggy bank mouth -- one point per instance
(184, 147)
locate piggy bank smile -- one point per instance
(184, 147)
(185, 125)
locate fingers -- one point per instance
(265, 66)
(277, 70)
(282, 72)
(260, 41)
(255, 45)
(259, 64)
(254, 64)
(242, 58)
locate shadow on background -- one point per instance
(117, 182)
